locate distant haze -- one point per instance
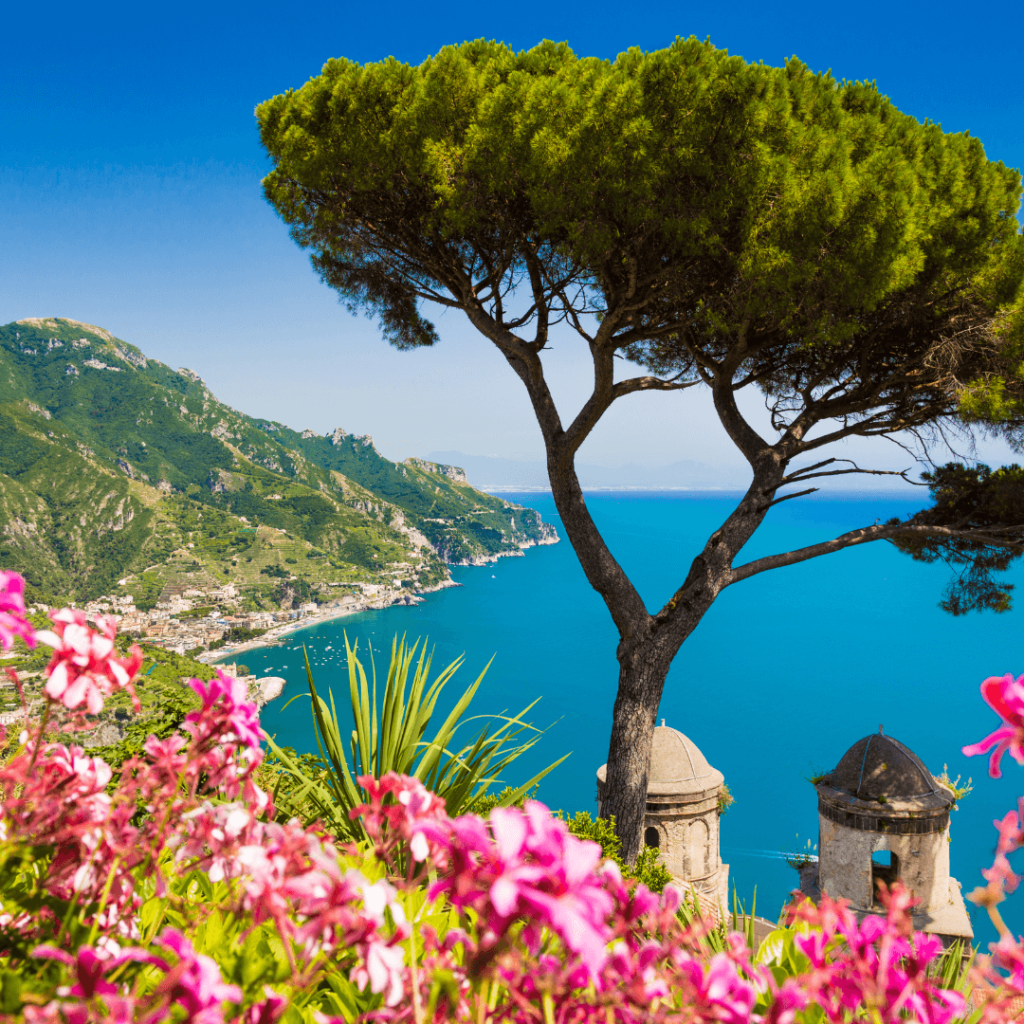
(490, 472)
(493, 473)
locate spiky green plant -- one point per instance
(389, 736)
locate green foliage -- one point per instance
(20, 451)
(197, 613)
(802, 857)
(649, 867)
(725, 798)
(364, 546)
(953, 785)
(291, 592)
(508, 797)
(121, 471)
(390, 735)
(236, 635)
(287, 780)
(651, 168)
(978, 498)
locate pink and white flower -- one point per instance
(12, 611)
(84, 668)
(226, 706)
(194, 984)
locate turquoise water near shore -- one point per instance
(786, 671)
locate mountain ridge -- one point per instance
(113, 464)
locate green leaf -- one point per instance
(10, 992)
(390, 734)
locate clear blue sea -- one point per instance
(786, 671)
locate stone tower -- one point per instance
(682, 814)
(882, 816)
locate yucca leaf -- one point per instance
(388, 735)
(520, 791)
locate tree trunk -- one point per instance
(645, 655)
(642, 671)
(648, 643)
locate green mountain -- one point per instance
(121, 475)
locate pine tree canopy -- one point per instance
(683, 207)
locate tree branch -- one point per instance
(635, 384)
(606, 576)
(795, 494)
(872, 533)
(800, 475)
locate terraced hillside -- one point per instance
(114, 467)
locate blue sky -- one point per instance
(130, 192)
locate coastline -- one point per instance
(389, 600)
(519, 552)
(276, 633)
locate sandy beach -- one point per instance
(277, 633)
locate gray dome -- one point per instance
(678, 768)
(881, 785)
(880, 766)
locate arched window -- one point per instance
(651, 837)
(700, 848)
(885, 867)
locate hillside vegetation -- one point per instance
(121, 475)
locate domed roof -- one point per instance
(880, 766)
(677, 766)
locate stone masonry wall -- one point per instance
(689, 835)
(844, 868)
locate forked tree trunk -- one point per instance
(649, 643)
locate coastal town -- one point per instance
(204, 624)
(210, 623)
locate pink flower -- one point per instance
(267, 1011)
(194, 983)
(418, 817)
(530, 868)
(384, 970)
(84, 669)
(225, 699)
(12, 611)
(1008, 954)
(814, 946)
(1001, 877)
(788, 1000)
(91, 965)
(720, 993)
(877, 969)
(1005, 695)
(166, 758)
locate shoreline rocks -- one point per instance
(266, 689)
(548, 538)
